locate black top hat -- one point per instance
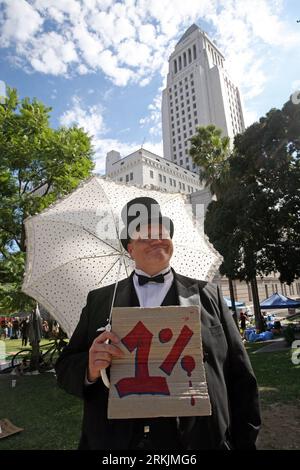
(141, 211)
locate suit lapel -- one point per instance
(188, 291)
(123, 295)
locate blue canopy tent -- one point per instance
(279, 301)
(237, 304)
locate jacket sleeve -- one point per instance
(241, 385)
(72, 364)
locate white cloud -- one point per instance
(130, 41)
(20, 23)
(90, 119)
(153, 119)
(53, 54)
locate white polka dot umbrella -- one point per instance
(74, 246)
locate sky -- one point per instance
(103, 64)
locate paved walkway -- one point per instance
(278, 344)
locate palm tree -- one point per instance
(210, 151)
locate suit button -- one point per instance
(205, 356)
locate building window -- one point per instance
(171, 181)
(121, 179)
(174, 183)
(127, 178)
(181, 162)
(194, 105)
(179, 185)
(194, 52)
(165, 179)
(184, 59)
(190, 55)
(131, 176)
(249, 293)
(160, 178)
(192, 82)
(180, 63)
(266, 290)
(183, 186)
(175, 66)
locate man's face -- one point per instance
(151, 248)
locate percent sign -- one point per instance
(140, 338)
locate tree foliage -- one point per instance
(255, 221)
(38, 164)
(210, 151)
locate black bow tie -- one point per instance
(160, 278)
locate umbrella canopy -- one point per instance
(279, 301)
(74, 245)
(237, 304)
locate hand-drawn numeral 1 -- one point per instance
(140, 338)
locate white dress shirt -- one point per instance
(152, 294)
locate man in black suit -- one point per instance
(232, 386)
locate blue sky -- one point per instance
(103, 64)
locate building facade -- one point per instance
(147, 169)
(198, 92)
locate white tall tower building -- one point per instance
(199, 92)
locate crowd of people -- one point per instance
(18, 328)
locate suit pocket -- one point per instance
(216, 330)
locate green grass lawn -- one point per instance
(52, 419)
(278, 378)
(14, 345)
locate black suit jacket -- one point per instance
(232, 386)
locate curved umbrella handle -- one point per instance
(105, 378)
(104, 374)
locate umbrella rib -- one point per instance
(109, 270)
(82, 258)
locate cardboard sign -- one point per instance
(162, 372)
(7, 428)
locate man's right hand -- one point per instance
(101, 354)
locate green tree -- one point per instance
(210, 151)
(38, 164)
(255, 221)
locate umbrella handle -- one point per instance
(105, 378)
(104, 374)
